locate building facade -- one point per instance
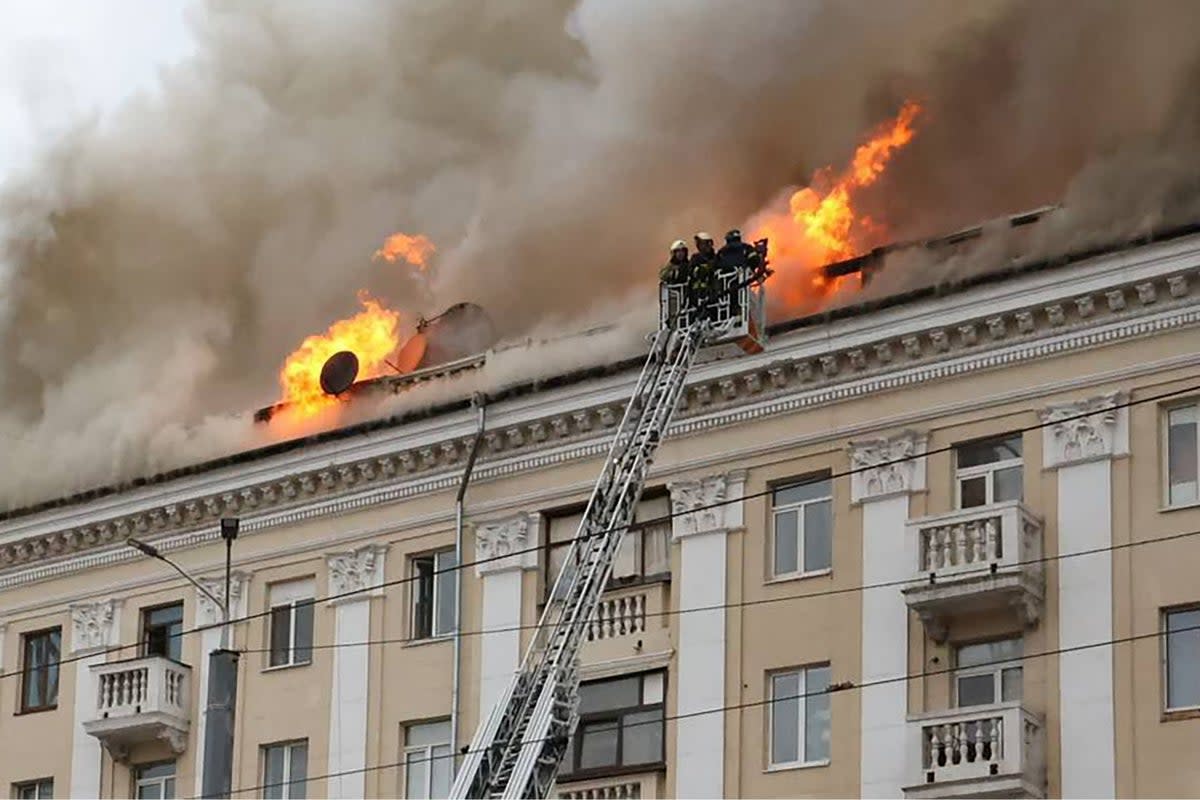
(939, 547)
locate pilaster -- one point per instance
(886, 471)
(1080, 440)
(503, 552)
(94, 628)
(706, 511)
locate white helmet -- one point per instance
(703, 237)
(678, 244)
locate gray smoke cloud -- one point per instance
(157, 266)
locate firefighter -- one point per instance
(738, 264)
(703, 273)
(676, 268)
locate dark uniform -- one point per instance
(703, 275)
(736, 259)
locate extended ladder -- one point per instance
(516, 752)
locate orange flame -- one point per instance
(370, 334)
(821, 225)
(416, 250)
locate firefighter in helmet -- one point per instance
(676, 268)
(703, 268)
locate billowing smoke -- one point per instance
(158, 265)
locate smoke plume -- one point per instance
(157, 265)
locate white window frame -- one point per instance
(37, 785)
(801, 533)
(986, 470)
(426, 752)
(802, 727)
(1166, 659)
(139, 783)
(996, 670)
(1166, 452)
(440, 574)
(289, 594)
(285, 783)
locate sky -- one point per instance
(63, 58)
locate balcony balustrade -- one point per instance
(141, 700)
(625, 787)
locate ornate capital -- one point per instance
(1087, 430)
(93, 625)
(506, 544)
(207, 612)
(706, 505)
(359, 571)
(887, 466)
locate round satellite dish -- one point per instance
(339, 372)
(410, 356)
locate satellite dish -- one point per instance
(339, 372)
(410, 356)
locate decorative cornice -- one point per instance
(691, 501)
(874, 477)
(356, 571)
(506, 544)
(94, 625)
(207, 612)
(1070, 438)
(794, 374)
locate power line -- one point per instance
(906, 582)
(642, 524)
(835, 688)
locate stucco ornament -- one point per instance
(700, 505)
(207, 612)
(887, 466)
(357, 571)
(92, 624)
(1085, 430)
(506, 544)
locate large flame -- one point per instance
(416, 249)
(821, 225)
(372, 335)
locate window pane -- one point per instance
(446, 594)
(1010, 684)
(1008, 484)
(53, 654)
(169, 789)
(973, 491)
(304, 632)
(642, 741)
(988, 451)
(628, 561)
(416, 765)
(281, 622)
(423, 598)
(427, 733)
(1183, 659)
(799, 492)
(817, 715)
(442, 768)
(273, 772)
(818, 536)
(977, 690)
(299, 766)
(1182, 462)
(989, 653)
(785, 718)
(656, 548)
(609, 695)
(786, 543)
(599, 744)
(150, 791)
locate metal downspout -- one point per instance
(480, 403)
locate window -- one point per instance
(34, 790)
(988, 672)
(161, 631)
(285, 768)
(800, 717)
(620, 724)
(802, 525)
(1183, 455)
(291, 627)
(989, 471)
(428, 767)
(1183, 659)
(39, 670)
(645, 549)
(435, 595)
(155, 781)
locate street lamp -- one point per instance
(217, 778)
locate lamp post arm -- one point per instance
(199, 586)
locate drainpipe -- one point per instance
(480, 403)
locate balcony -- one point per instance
(629, 621)
(625, 787)
(141, 700)
(975, 559)
(983, 751)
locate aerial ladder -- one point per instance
(517, 749)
